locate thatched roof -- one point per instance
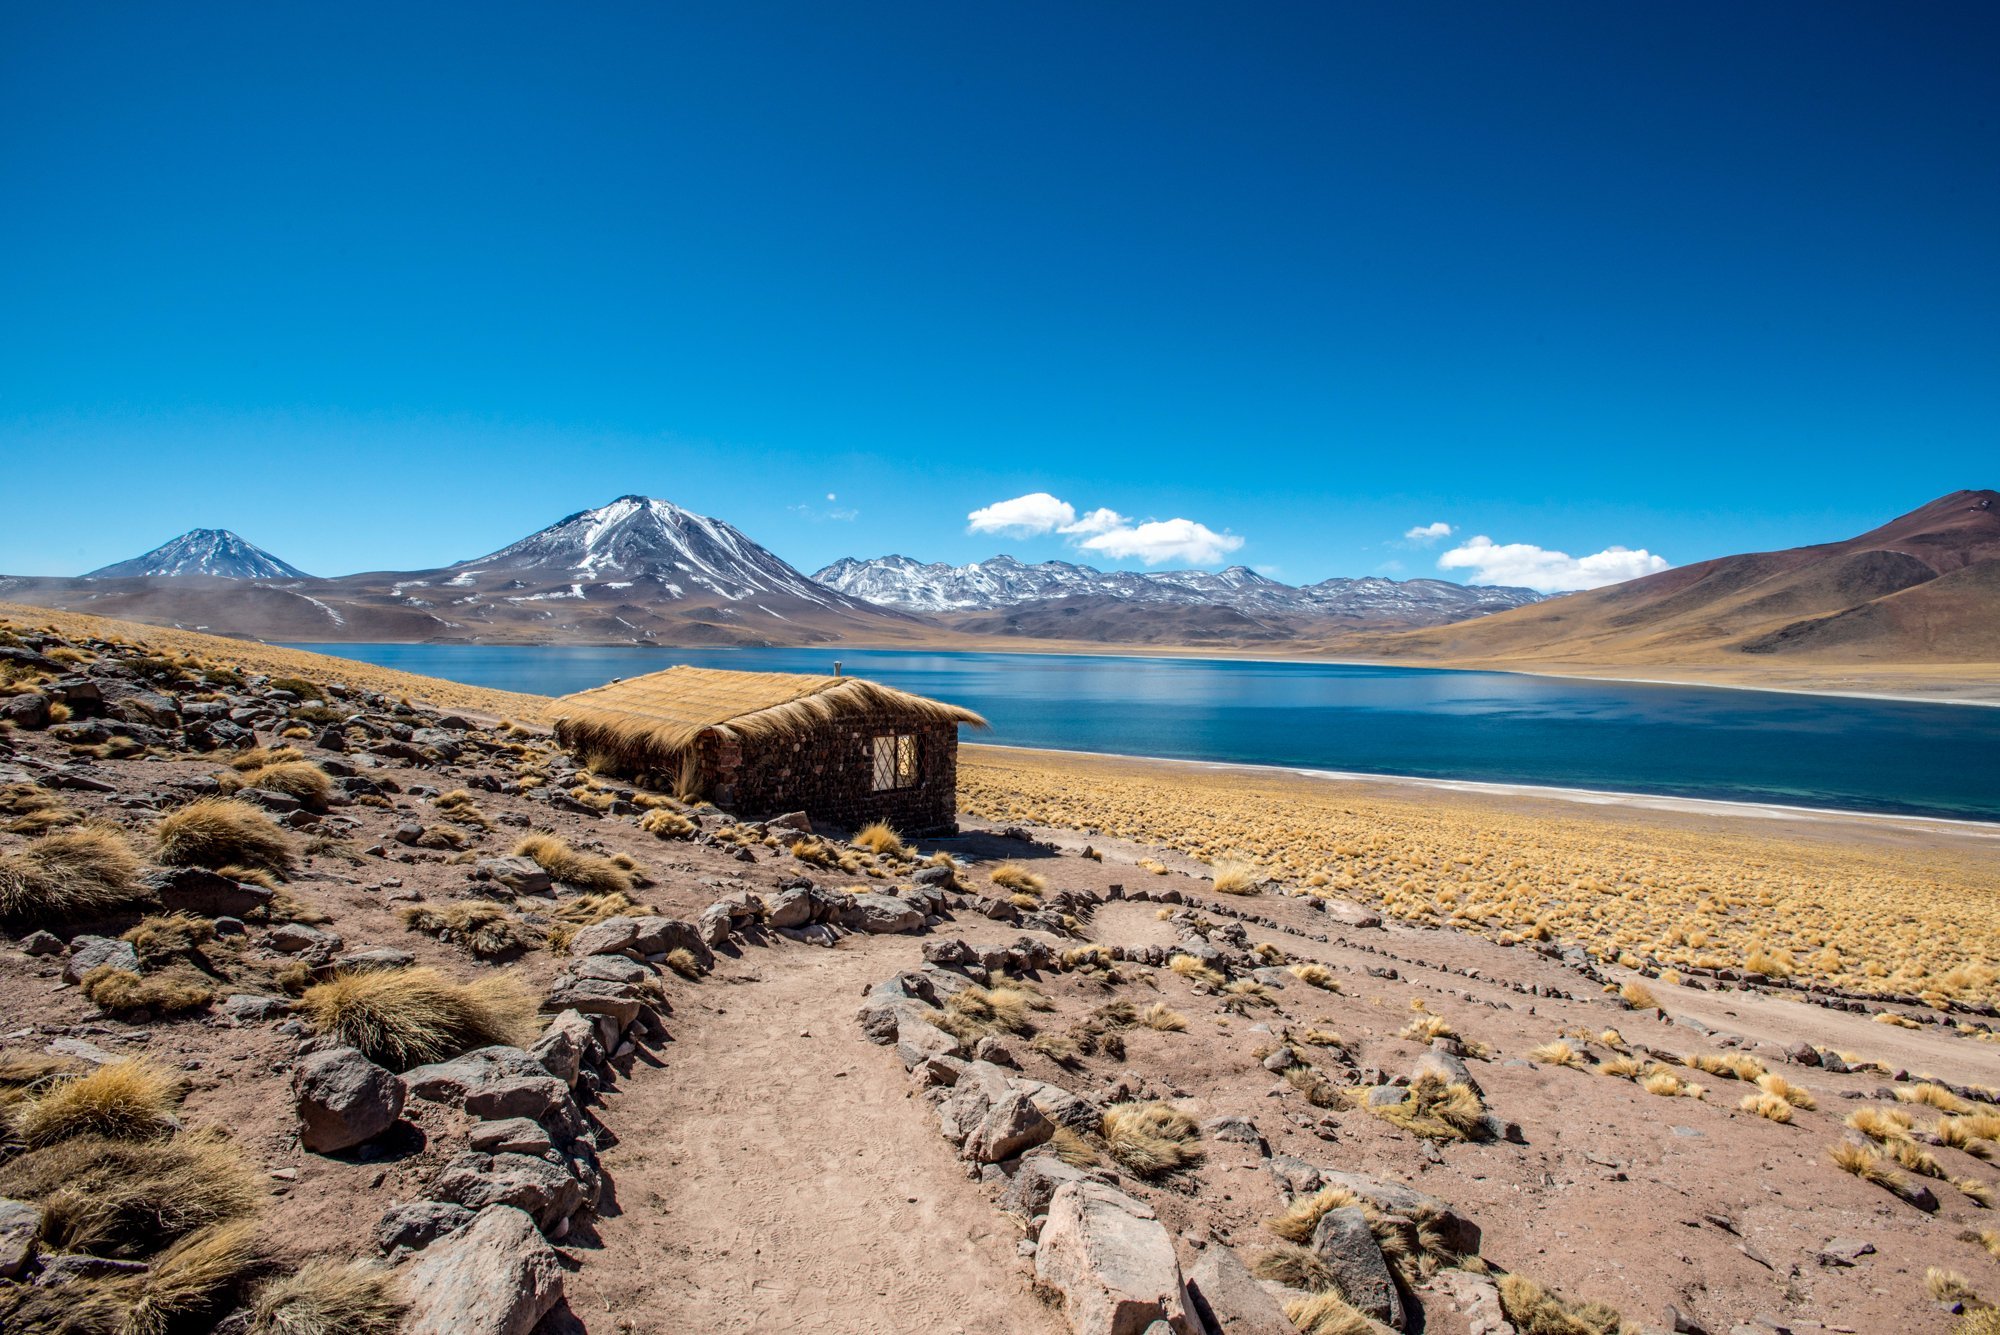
(663, 713)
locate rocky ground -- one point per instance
(1012, 1081)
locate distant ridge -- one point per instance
(214, 552)
(1002, 582)
(1923, 588)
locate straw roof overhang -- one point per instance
(664, 713)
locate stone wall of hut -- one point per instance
(828, 772)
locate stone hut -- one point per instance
(843, 750)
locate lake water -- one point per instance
(1865, 755)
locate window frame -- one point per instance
(893, 766)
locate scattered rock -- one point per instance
(205, 893)
(1345, 1242)
(511, 1135)
(496, 1276)
(417, 1225)
(523, 876)
(20, 1226)
(91, 952)
(1012, 1126)
(1112, 1261)
(1225, 1295)
(344, 1099)
(527, 1183)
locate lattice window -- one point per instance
(895, 761)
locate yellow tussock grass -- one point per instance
(408, 1017)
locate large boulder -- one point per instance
(658, 936)
(344, 1099)
(205, 893)
(92, 952)
(496, 1276)
(530, 1096)
(595, 996)
(881, 914)
(564, 1046)
(1344, 1241)
(548, 1193)
(609, 937)
(1112, 1261)
(1226, 1296)
(523, 876)
(451, 1081)
(1013, 1125)
(20, 1226)
(416, 1225)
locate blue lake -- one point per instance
(1864, 755)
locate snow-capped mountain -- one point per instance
(1002, 582)
(203, 551)
(639, 540)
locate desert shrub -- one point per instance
(1235, 878)
(1327, 1314)
(257, 757)
(1150, 1139)
(1779, 1087)
(1535, 1310)
(878, 838)
(1557, 1053)
(1187, 966)
(330, 1298)
(298, 686)
(682, 961)
(1296, 1222)
(1730, 1065)
(199, 1276)
(124, 1198)
(69, 876)
(1295, 1267)
(1769, 1106)
(1428, 1029)
(486, 929)
(973, 1012)
(163, 937)
(300, 779)
(174, 991)
(1013, 876)
(458, 806)
(408, 1017)
(666, 823)
(1882, 1124)
(1315, 975)
(219, 832)
(1934, 1095)
(1437, 1110)
(122, 1100)
(1638, 996)
(585, 871)
(1163, 1017)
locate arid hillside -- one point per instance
(1920, 592)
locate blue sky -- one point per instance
(393, 285)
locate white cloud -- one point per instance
(1104, 530)
(1160, 540)
(1548, 571)
(1428, 533)
(1097, 521)
(1024, 516)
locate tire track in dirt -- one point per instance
(779, 1173)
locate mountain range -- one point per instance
(646, 571)
(1922, 591)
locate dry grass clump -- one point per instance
(666, 823)
(971, 1013)
(1327, 1314)
(1437, 1110)
(1865, 1164)
(1163, 1017)
(124, 1198)
(131, 1099)
(1881, 1124)
(1769, 1106)
(1535, 1310)
(1073, 1148)
(174, 991)
(1948, 1286)
(682, 961)
(1151, 1139)
(459, 807)
(1638, 996)
(483, 927)
(196, 1277)
(1988, 1238)
(583, 910)
(880, 839)
(1427, 1029)
(1664, 1082)
(163, 937)
(1013, 876)
(1557, 1053)
(1296, 1222)
(1187, 966)
(1235, 878)
(585, 871)
(1974, 1133)
(1295, 1267)
(217, 832)
(257, 757)
(69, 876)
(300, 779)
(1315, 975)
(327, 1297)
(408, 1017)
(1981, 1321)
(1935, 1096)
(1730, 1066)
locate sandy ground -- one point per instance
(775, 1173)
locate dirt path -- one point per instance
(778, 1173)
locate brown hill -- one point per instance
(1920, 591)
